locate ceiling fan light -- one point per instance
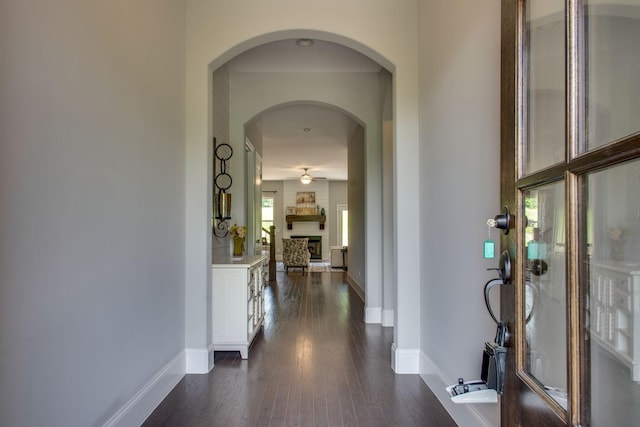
(305, 179)
(305, 42)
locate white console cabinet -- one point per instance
(237, 302)
(615, 312)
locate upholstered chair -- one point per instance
(295, 253)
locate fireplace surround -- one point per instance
(315, 245)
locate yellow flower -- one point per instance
(239, 232)
(616, 233)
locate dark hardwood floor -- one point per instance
(316, 363)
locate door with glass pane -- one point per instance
(571, 175)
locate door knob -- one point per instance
(501, 221)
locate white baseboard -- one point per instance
(356, 286)
(199, 360)
(145, 401)
(405, 361)
(387, 318)
(373, 315)
(462, 414)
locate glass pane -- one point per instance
(267, 209)
(612, 311)
(545, 289)
(267, 218)
(345, 228)
(545, 85)
(612, 74)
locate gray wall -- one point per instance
(92, 205)
(221, 246)
(357, 235)
(388, 231)
(459, 184)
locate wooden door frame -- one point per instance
(524, 402)
(518, 391)
(508, 104)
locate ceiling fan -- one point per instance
(305, 178)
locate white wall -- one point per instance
(459, 185)
(92, 207)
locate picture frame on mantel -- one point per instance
(291, 210)
(306, 203)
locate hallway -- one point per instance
(316, 363)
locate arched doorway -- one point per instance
(374, 217)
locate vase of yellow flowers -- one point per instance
(238, 234)
(617, 240)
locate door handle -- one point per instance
(487, 288)
(504, 271)
(504, 268)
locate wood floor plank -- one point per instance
(315, 363)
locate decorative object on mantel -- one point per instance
(238, 234)
(322, 212)
(306, 203)
(221, 183)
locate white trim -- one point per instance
(356, 286)
(143, 403)
(405, 361)
(373, 315)
(388, 318)
(199, 360)
(462, 414)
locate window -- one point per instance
(267, 217)
(343, 225)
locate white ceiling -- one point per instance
(287, 147)
(286, 55)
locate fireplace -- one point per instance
(315, 245)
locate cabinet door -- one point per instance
(251, 301)
(229, 298)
